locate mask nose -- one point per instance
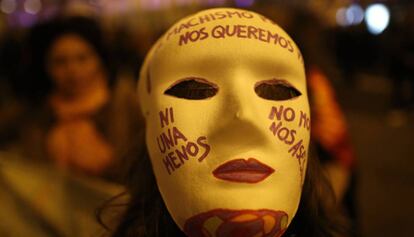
(239, 107)
(238, 128)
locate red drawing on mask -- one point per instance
(297, 148)
(192, 22)
(166, 117)
(299, 151)
(175, 146)
(193, 36)
(236, 31)
(243, 171)
(237, 223)
(174, 159)
(285, 113)
(304, 120)
(284, 134)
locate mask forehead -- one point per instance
(224, 45)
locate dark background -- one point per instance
(372, 74)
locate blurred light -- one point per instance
(154, 4)
(32, 6)
(25, 19)
(244, 3)
(8, 6)
(94, 2)
(216, 2)
(377, 18)
(354, 14)
(341, 18)
(183, 2)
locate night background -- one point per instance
(365, 50)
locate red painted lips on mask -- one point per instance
(243, 171)
(241, 223)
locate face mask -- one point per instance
(224, 97)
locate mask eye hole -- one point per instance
(276, 90)
(192, 88)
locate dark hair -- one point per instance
(146, 214)
(35, 82)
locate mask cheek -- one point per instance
(289, 127)
(172, 146)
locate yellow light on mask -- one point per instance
(224, 96)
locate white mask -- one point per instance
(224, 97)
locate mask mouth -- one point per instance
(243, 171)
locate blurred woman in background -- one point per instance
(74, 115)
(85, 119)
